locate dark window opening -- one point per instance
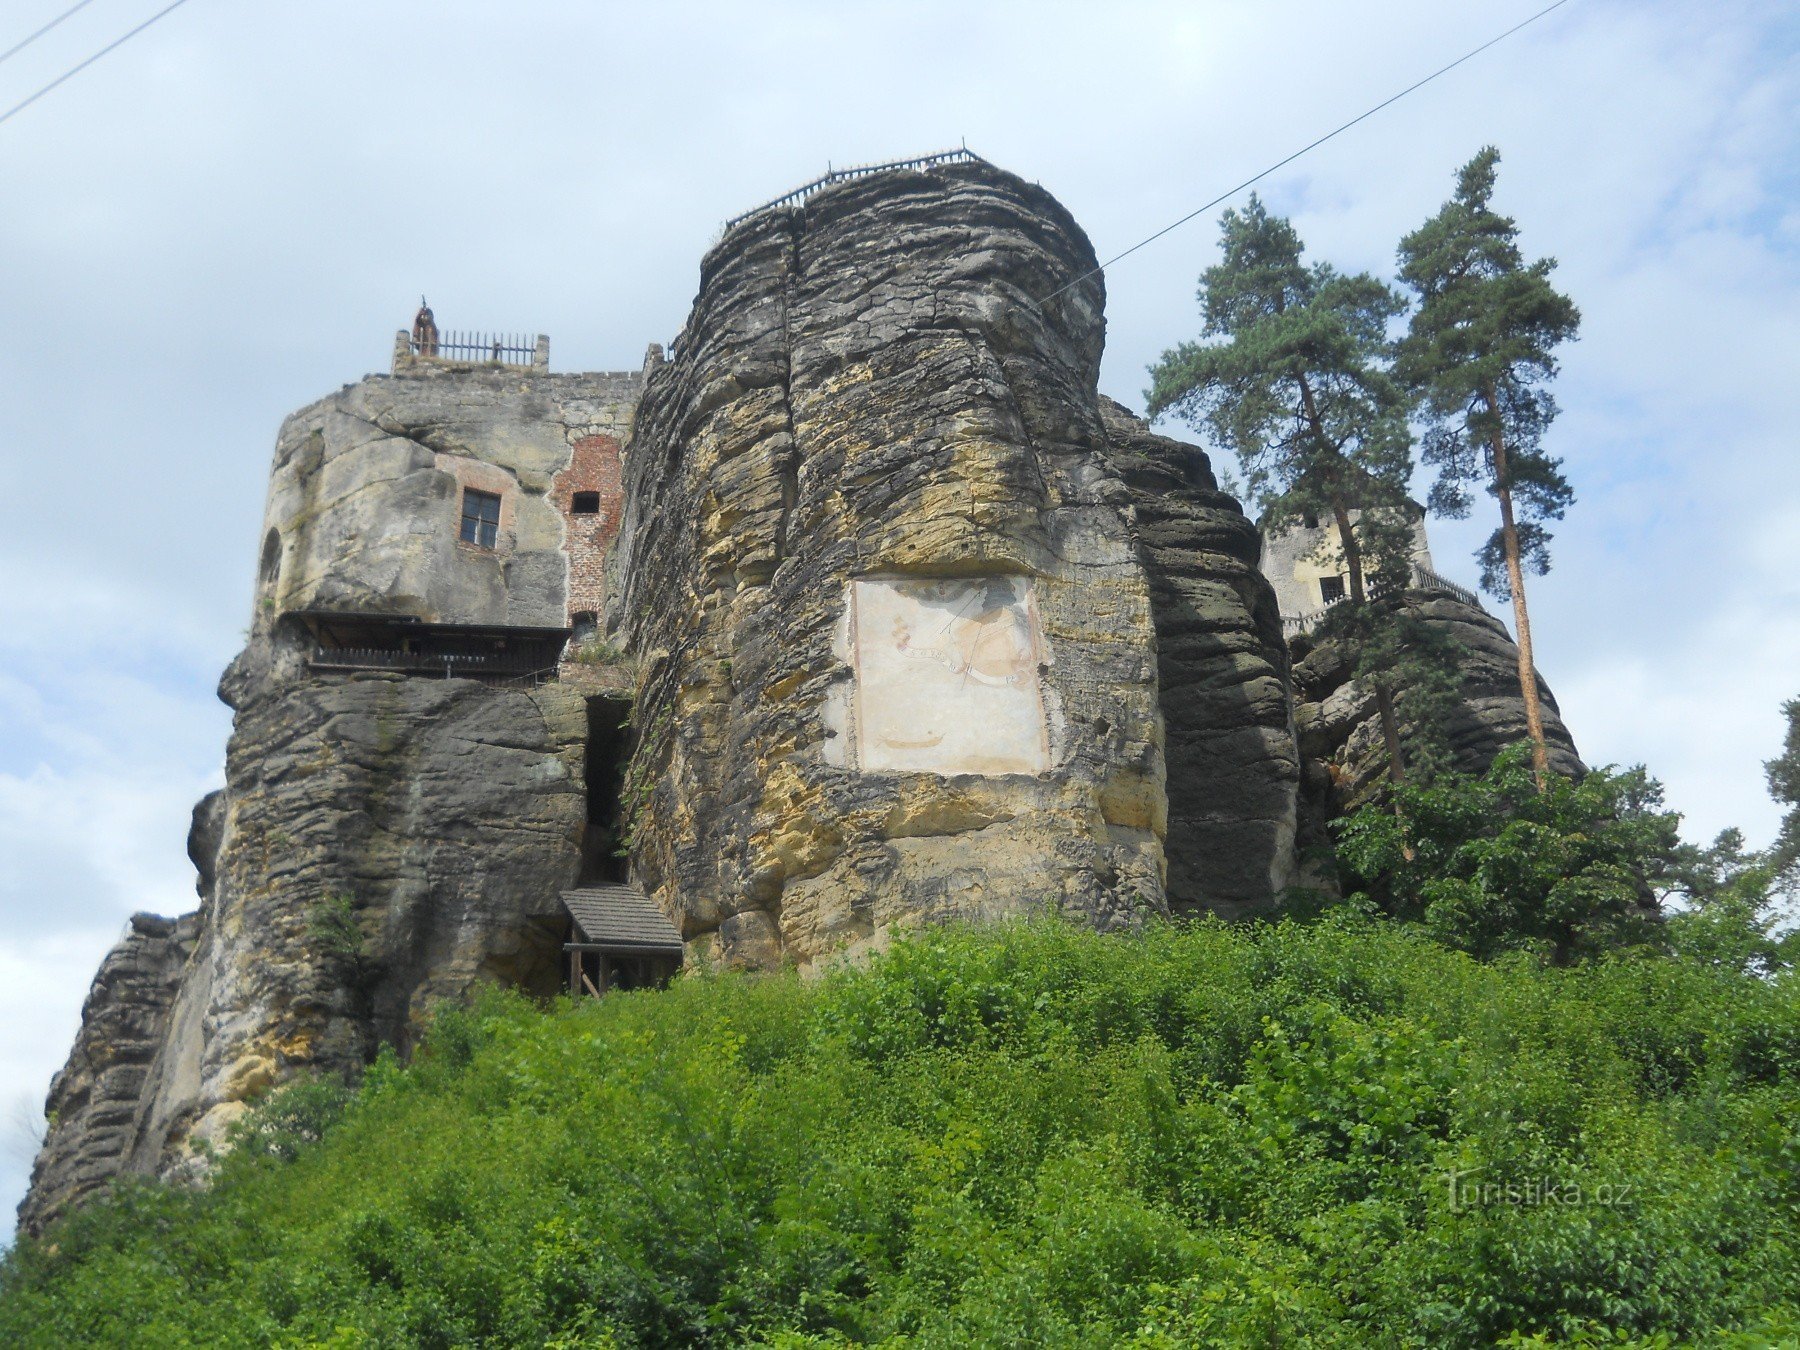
(1331, 589)
(586, 504)
(608, 754)
(480, 518)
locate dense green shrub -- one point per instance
(1336, 1134)
(1491, 864)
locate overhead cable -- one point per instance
(76, 70)
(1226, 196)
(15, 50)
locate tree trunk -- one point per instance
(1352, 551)
(1515, 576)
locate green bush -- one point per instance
(1491, 864)
(1327, 1134)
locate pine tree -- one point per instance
(1784, 785)
(1296, 383)
(1479, 355)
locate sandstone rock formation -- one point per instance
(869, 424)
(364, 480)
(383, 840)
(1339, 729)
(1222, 677)
(917, 625)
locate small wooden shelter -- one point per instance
(618, 939)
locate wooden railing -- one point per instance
(486, 667)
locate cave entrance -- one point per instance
(608, 754)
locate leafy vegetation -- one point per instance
(1333, 1134)
(1490, 864)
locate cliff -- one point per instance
(898, 611)
(909, 622)
(383, 840)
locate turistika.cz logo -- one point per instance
(1470, 1190)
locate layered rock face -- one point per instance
(896, 625)
(94, 1102)
(920, 627)
(382, 841)
(1340, 731)
(1228, 734)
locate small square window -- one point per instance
(1331, 589)
(586, 504)
(480, 518)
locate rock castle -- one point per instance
(859, 609)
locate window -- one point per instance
(480, 518)
(1331, 589)
(586, 504)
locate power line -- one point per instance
(76, 70)
(14, 51)
(1225, 196)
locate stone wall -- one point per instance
(366, 493)
(1295, 559)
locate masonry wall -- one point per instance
(367, 489)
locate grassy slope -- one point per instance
(1031, 1136)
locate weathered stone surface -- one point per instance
(1340, 732)
(96, 1101)
(866, 388)
(365, 493)
(439, 818)
(918, 627)
(1233, 766)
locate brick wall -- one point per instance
(593, 467)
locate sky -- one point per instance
(229, 216)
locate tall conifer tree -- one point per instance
(1784, 785)
(1296, 383)
(1479, 355)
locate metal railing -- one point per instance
(1423, 579)
(800, 194)
(506, 349)
(486, 667)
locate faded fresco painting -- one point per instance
(947, 676)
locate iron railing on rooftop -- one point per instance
(963, 155)
(507, 349)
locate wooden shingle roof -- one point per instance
(620, 916)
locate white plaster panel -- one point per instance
(947, 675)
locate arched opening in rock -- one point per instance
(608, 753)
